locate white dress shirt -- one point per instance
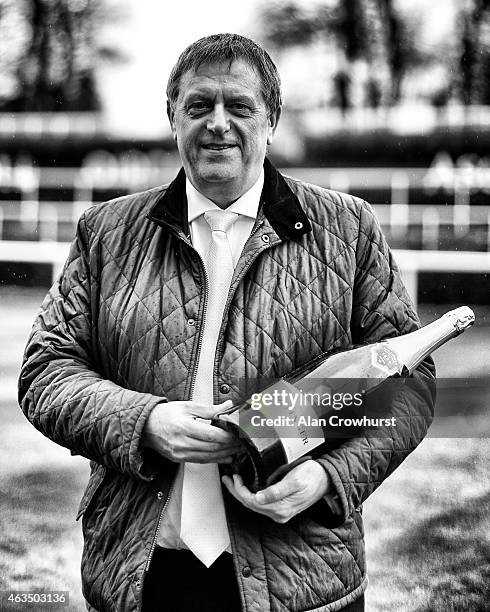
(246, 207)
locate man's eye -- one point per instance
(198, 107)
(240, 107)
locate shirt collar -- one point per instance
(280, 204)
(247, 204)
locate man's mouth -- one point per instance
(217, 147)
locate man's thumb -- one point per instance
(218, 408)
(209, 411)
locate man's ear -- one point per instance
(273, 121)
(171, 118)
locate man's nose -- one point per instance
(218, 122)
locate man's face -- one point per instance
(222, 127)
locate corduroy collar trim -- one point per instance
(280, 205)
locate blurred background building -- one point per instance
(386, 99)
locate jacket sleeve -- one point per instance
(60, 391)
(381, 309)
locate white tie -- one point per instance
(203, 525)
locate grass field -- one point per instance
(426, 527)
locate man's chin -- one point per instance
(217, 173)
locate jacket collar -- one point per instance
(279, 204)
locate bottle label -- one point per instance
(283, 412)
(308, 436)
(385, 359)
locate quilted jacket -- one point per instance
(118, 334)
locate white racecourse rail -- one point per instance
(410, 262)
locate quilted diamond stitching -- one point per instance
(105, 406)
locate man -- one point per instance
(171, 296)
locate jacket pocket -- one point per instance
(94, 484)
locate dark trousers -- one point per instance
(178, 582)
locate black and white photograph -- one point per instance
(244, 306)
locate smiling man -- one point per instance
(222, 126)
(168, 299)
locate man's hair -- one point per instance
(228, 47)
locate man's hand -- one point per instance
(177, 431)
(299, 489)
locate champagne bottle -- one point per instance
(278, 435)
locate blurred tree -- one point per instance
(373, 93)
(51, 66)
(440, 99)
(403, 53)
(375, 32)
(348, 24)
(342, 83)
(288, 24)
(474, 60)
(377, 83)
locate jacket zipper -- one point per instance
(155, 537)
(194, 375)
(219, 344)
(191, 391)
(201, 333)
(154, 543)
(228, 301)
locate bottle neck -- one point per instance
(413, 348)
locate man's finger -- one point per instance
(208, 411)
(244, 493)
(209, 433)
(222, 407)
(191, 445)
(239, 490)
(216, 457)
(226, 480)
(276, 492)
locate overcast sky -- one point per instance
(152, 33)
